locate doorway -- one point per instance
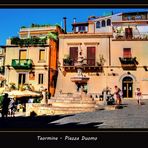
(127, 87)
(21, 79)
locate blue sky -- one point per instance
(12, 19)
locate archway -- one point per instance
(127, 87)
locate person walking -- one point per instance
(5, 104)
(138, 95)
(12, 107)
(118, 95)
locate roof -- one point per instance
(80, 23)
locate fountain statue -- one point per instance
(80, 79)
(69, 104)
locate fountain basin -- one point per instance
(79, 79)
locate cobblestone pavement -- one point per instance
(131, 115)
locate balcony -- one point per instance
(38, 28)
(128, 63)
(135, 36)
(22, 63)
(89, 66)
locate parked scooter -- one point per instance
(110, 99)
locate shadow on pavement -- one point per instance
(42, 123)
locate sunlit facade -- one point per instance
(31, 58)
(115, 49)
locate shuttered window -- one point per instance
(91, 55)
(42, 55)
(23, 54)
(127, 53)
(73, 54)
(40, 78)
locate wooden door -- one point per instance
(91, 55)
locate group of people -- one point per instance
(138, 95)
(8, 106)
(118, 95)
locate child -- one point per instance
(138, 96)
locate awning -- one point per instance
(22, 94)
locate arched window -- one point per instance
(103, 23)
(108, 22)
(97, 24)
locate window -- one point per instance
(97, 24)
(1, 51)
(128, 33)
(129, 17)
(103, 23)
(73, 54)
(21, 78)
(42, 55)
(108, 22)
(81, 28)
(91, 54)
(1, 62)
(23, 54)
(40, 78)
(127, 53)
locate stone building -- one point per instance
(115, 51)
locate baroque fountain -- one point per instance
(68, 104)
(80, 79)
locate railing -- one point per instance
(126, 60)
(89, 65)
(128, 63)
(38, 28)
(22, 63)
(133, 36)
(86, 62)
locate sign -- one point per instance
(31, 75)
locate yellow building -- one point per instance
(115, 51)
(31, 58)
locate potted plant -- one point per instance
(67, 60)
(101, 60)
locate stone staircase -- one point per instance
(63, 104)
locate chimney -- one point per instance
(64, 18)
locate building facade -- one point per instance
(2, 59)
(115, 49)
(2, 66)
(31, 58)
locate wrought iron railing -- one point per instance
(86, 62)
(133, 36)
(21, 63)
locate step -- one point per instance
(71, 101)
